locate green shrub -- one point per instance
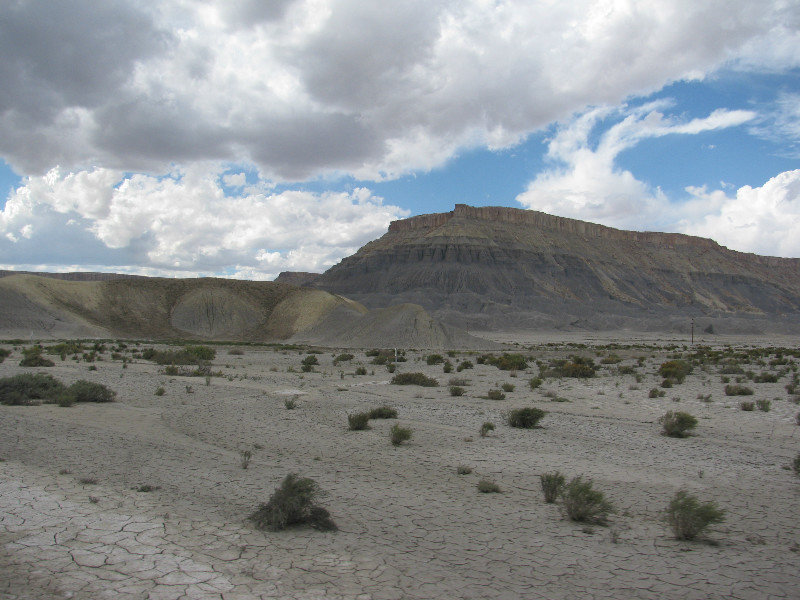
(447, 367)
(383, 412)
(552, 485)
(677, 424)
(675, 370)
(310, 360)
(399, 435)
(464, 470)
(576, 367)
(361, 371)
(358, 421)
(464, 364)
(290, 403)
(293, 503)
(414, 379)
(765, 378)
(456, 390)
(88, 391)
(508, 362)
(27, 388)
(488, 487)
(796, 465)
(201, 352)
(525, 418)
(64, 348)
(656, 393)
(495, 395)
(4, 354)
(733, 389)
(32, 357)
(584, 503)
(507, 387)
(344, 357)
(763, 405)
(434, 359)
(747, 406)
(688, 517)
(486, 428)
(535, 382)
(460, 381)
(160, 391)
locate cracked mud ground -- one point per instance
(409, 525)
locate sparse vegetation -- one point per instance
(583, 503)
(88, 391)
(294, 502)
(552, 485)
(675, 370)
(525, 418)
(763, 404)
(383, 412)
(463, 470)
(677, 424)
(507, 387)
(290, 403)
(486, 428)
(688, 517)
(535, 382)
(32, 357)
(244, 458)
(733, 389)
(656, 393)
(747, 406)
(495, 394)
(456, 390)
(434, 359)
(399, 435)
(414, 379)
(28, 388)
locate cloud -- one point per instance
(585, 182)
(183, 223)
(306, 88)
(764, 220)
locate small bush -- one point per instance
(460, 381)
(414, 379)
(508, 362)
(495, 395)
(464, 364)
(27, 388)
(535, 382)
(447, 367)
(456, 390)
(796, 465)
(88, 391)
(733, 389)
(293, 503)
(552, 485)
(488, 487)
(464, 470)
(399, 435)
(244, 458)
(383, 412)
(434, 359)
(584, 503)
(675, 370)
(236, 352)
(358, 421)
(361, 371)
(525, 418)
(310, 360)
(763, 405)
(688, 517)
(656, 393)
(201, 352)
(765, 378)
(486, 428)
(290, 403)
(160, 391)
(344, 357)
(747, 406)
(4, 353)
(677, 424)
(507, 387)
(32, 357)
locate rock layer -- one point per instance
(493, 267)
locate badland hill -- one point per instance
(498, 268)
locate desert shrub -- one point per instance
(447, 367)
(434, 359)
(677, 424)
(797, 418)
(733, 389)
(27, 388)
(626, 370)
(688, 517)
(391, 367)
(611, 359)
(584, 503)
(461, 381)
(464, 470)
(344, 357)
(201, 352)
(4, 353)
(495, 395)
(414, 379)
(525, 418)
(32, 357)
(507, 387)
(667, 383)
(488, 487)
(290, 403)
(747, 406)
(456, 390)
(763, 405)
(358, 421)
(464, 364)
(576, 367)
(535, 382)
(656, 393)
(236, 352)
(486, 428)
(160, 391)
(796, 465)
(552, 484)
(399, 435)
(171, 357)
(88, 391)
(310, 360)
(64, 348)
(383, 412)
(294, 502)
(731, 368)
(765, 378)
(244, 458)
(676, 370)
(508, 362)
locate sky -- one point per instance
(242, 138)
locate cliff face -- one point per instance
(493, 266)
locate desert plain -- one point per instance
(148, 497)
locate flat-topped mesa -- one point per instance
(586, 230)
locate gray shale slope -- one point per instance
(494, 268)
